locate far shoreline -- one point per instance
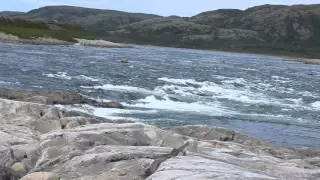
(109, 44)
(294, 58)
(11, 39)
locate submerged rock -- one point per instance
(123, 121)
(112, 105)
(124, 61)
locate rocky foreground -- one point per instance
(41, 142)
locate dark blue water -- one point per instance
(264, 96)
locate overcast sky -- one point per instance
(160, 7)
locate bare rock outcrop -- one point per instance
(94, 149)
(48, 98)
(127, 151)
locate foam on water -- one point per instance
(280, 79)
(65, 76)
(9, 83)
(204, 95)
(307, 94)
(179, 81)
(249, 69)
(176, 90)
(316, 105)
(235, 80)
(244, 95)
(151, 102)
(58, 75)
(109, 113)
(86, 78)
(121, 88)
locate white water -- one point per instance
(152, 102)
(203, 98)
(9, 83)
(121, 88)
(65, 76)
(316, 105)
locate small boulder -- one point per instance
(112, 105)
(124, 61)
(41, 176)
(20, 168)
(72, 125)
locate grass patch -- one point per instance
(28, 29)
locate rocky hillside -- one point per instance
(282, 23)
(287, 30)
(274, 29)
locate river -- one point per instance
(263, 96)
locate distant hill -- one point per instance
(271, 29)
(95, 20)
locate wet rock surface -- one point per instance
(52, 98)
(44, 97)
(112, 105)
(36, 142)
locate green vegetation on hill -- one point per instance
(29, 29)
